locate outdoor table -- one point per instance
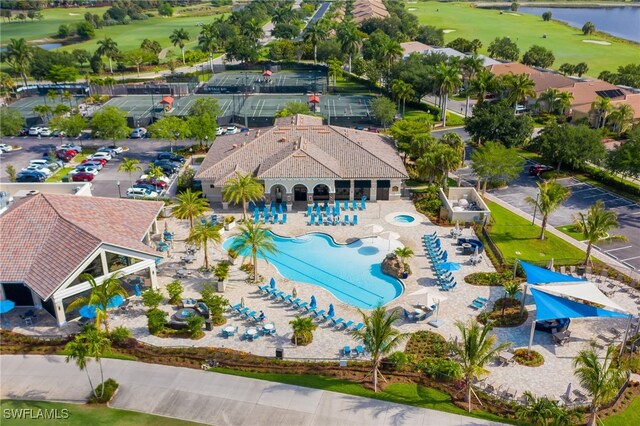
(506, 356)
(183, 272)
(189, 258)
(418, 312)
(252, 333)
(268, 328)
(229, 329)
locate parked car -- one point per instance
(35, 130)
(30, 177)
(232, 130)
(83, 168)
(112, 149)
(76, 148)
(24, 131)
(58, 133)
(40, 169)
(138, 133)
(162, 178)
(93, 163)
(5, 147)
(537, 169)
(101, 156)
(101, 162)
(44, 162)
(171, 157)
(146, 186)
(140, 193)
(45, 131)
(82, 177)
(220, 131)
(168, 167)
(153, 181)
(66, 155)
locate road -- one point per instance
(318, 14)
(207, 397)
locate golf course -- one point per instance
(567, 43)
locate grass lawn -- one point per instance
(630, 416)
(82, 415)
(570, 230)
(518, 239)
(453, 120)
(565, 42)
(59, 174)
(409, 394)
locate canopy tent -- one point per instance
(550, 306)
(582, 291)
(538, 275)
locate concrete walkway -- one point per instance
(208, 397)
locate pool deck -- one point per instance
(551, 379)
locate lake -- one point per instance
(623, 22)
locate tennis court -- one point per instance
(25, 105)
(300, 81)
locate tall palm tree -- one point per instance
(551, 195)
(596, 224)
(403, 92)
(303, 328)
(190, 205)
(43, 111)
(259, 241)
(18, 55)
(622, 117)
(602, 380)
(564, 100)
(392, 52)
(129, 165)
(335, 70)
(601, 107)
(350, 39)
(252, 29)
(471, 66)
(454, 141)
(379, 337)
(283, 14)
(550, 99)
(100, 296)
(109, 48)
(475, 349)
(209, 40)
(448, 158)
(519, 88)
(98, 344)
(242, 189)
(77, 350)
(314, 34)
(201, 234)
(539, 411)
(448, 81)
(178, 38)
(403, 253)
(482, 85)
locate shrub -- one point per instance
(194, 325)
(528, 358)
(175, 289)
(152, 298)
(185, 180)
(120, 335)
(222, 271)
(427, 201)
(397, 361)
(490, 278)
(105, 392)
(156, 320)
(426, 343)
(441, 368)
(216, 304)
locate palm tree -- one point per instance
(454, 141)
(179, 37)
(259, 241)
(596, 224)
(350, 39)
(201, 234)
(242, 189)
(475, 350)
(564, 99)
(303, 328)
(335, 70)
(190, 205)
(403, 92)
(314, 34)
(551, 195)
(129, 165)
(471, 66)
(588, 28)
(392, 52)
(549, 98)
(43, 111)
(601, 107)
(283, 14)
(622, 118)
(538, 411)
(601, 380)
(77, 351)
(18, 55)
(448, 81)
(482, 85)
(209, 40)
(447, 158)
(403, 253)
(519, 88)
(109, 48)
(97, 344)
(379, 337)
(100, 296)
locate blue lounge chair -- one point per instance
(285, 298)
(256, 219)
(363, 206)
(235, 307)
(476, 304)
(319, 220)
(284, 219)
(346, 351)
(358, 326)
(309, 210)
(295, 301)
(360, 350)
(249, 315)
(316, 313)
(253, 316)
(326, 317)
(302, 305)
(243, 310)
(355, 219)
(346, 219)
(277, 295)
(347, 324)
(264, 288)
(337, 322)
(449, 287)
(203, 221)
(312, 219)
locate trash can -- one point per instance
(581, 270)
(279, 353)
(208, 325)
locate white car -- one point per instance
(101, 156)
(232, 130)
(34, 131)
(42, 162)
(45, 131)
(112, 149)
(220, 131)
(162, 178)
(87, 169)
(65, 146)
(40, 169)
(5, 148)
(140, 193)
(138, 133)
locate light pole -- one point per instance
(535, 208)
(119, 192)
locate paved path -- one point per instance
(208, 397)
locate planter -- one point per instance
(229, 226)
(221, 286)
(405, 275)
(233, 260)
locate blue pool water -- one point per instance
(351, 272)
(404, 218)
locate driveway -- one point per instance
(206, 397)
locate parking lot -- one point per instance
(582, 197)
(105, 184)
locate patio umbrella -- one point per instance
(450, 266)
(313, 303)
(294, 293)
(115, 301)
(567, 394)
(136, 289)
(376, 229)
(550, 267)
(445, 255)
(242, 302)
(390, 235)
(431, 298)
(331, 310)
(272, 283)
(88, 311)
(6, 305)
(166, 226)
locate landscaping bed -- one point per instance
(505, 313)
(491, 278)
(426, 343)
(528, 358)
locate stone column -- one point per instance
(153, 276)
(37, 302)
(352, 190)
(310, 197)
(105, 266)
(332, 197)
(61, 318)
(154, 226)
(373, 191)
(289, 198)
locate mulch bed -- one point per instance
(505, 313)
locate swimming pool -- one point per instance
(404, 218)
(351, 272)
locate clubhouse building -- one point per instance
(303, 161)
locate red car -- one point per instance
(82, 177)
(66, 155)
(101, 161)
(152, 181)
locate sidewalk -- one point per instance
(206, 397)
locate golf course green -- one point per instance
(568, 44)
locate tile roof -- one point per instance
(410, 47)
(511, 68)
(584, 93)
(47, 236)
(303, 151)
(549, 80)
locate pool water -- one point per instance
(351, 272)
(404, 218)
